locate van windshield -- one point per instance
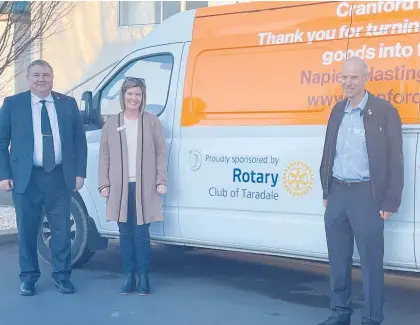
(155, 70)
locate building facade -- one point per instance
(96, 34)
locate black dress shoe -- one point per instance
(144, 286)
(27, 289)
(65, 286)
(336, 321)
(129, 284)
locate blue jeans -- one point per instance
(134, 239)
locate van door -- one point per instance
(159, 66)
(389, 46)
(417, 200)
(256, 102)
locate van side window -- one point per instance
(155, 70)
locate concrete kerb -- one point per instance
(8, 236)
(8, 230)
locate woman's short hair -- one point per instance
(132, 82)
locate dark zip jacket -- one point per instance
(384, 147)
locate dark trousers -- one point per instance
(134, 239)
(351, 213)
(46, 194)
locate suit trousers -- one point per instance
(46, 194)
(134, 239)
(352, 213)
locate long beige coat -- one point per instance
(151, 168)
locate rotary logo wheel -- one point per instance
(298, 178)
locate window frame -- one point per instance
(120, 24)
(122, 67)
(162, 17)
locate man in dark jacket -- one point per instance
(362, 180)
(46, 163)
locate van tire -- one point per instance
(80, 254)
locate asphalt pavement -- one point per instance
(196, 287)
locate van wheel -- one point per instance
(80, 254)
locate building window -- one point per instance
(146, 12)
(170, 8)
(196, 4)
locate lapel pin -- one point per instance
(370, 112)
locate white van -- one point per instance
(244, 93)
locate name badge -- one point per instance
(122, 127)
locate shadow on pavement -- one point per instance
(268, 276)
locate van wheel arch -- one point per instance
(82, 229)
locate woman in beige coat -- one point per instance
(132, 176)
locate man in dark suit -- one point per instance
(47, 161)
(362, 177)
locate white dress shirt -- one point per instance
(36, 119)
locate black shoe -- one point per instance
(144, 286)
(27, 289)
(129, 284)
(336, 321)
(65, 286)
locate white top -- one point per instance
(36, 119)
(131, 134)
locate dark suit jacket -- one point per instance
(16, 129)
(384, 147)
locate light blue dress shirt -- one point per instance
(351, 161)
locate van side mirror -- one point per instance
(86, 107)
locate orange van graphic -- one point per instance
(281, 65)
